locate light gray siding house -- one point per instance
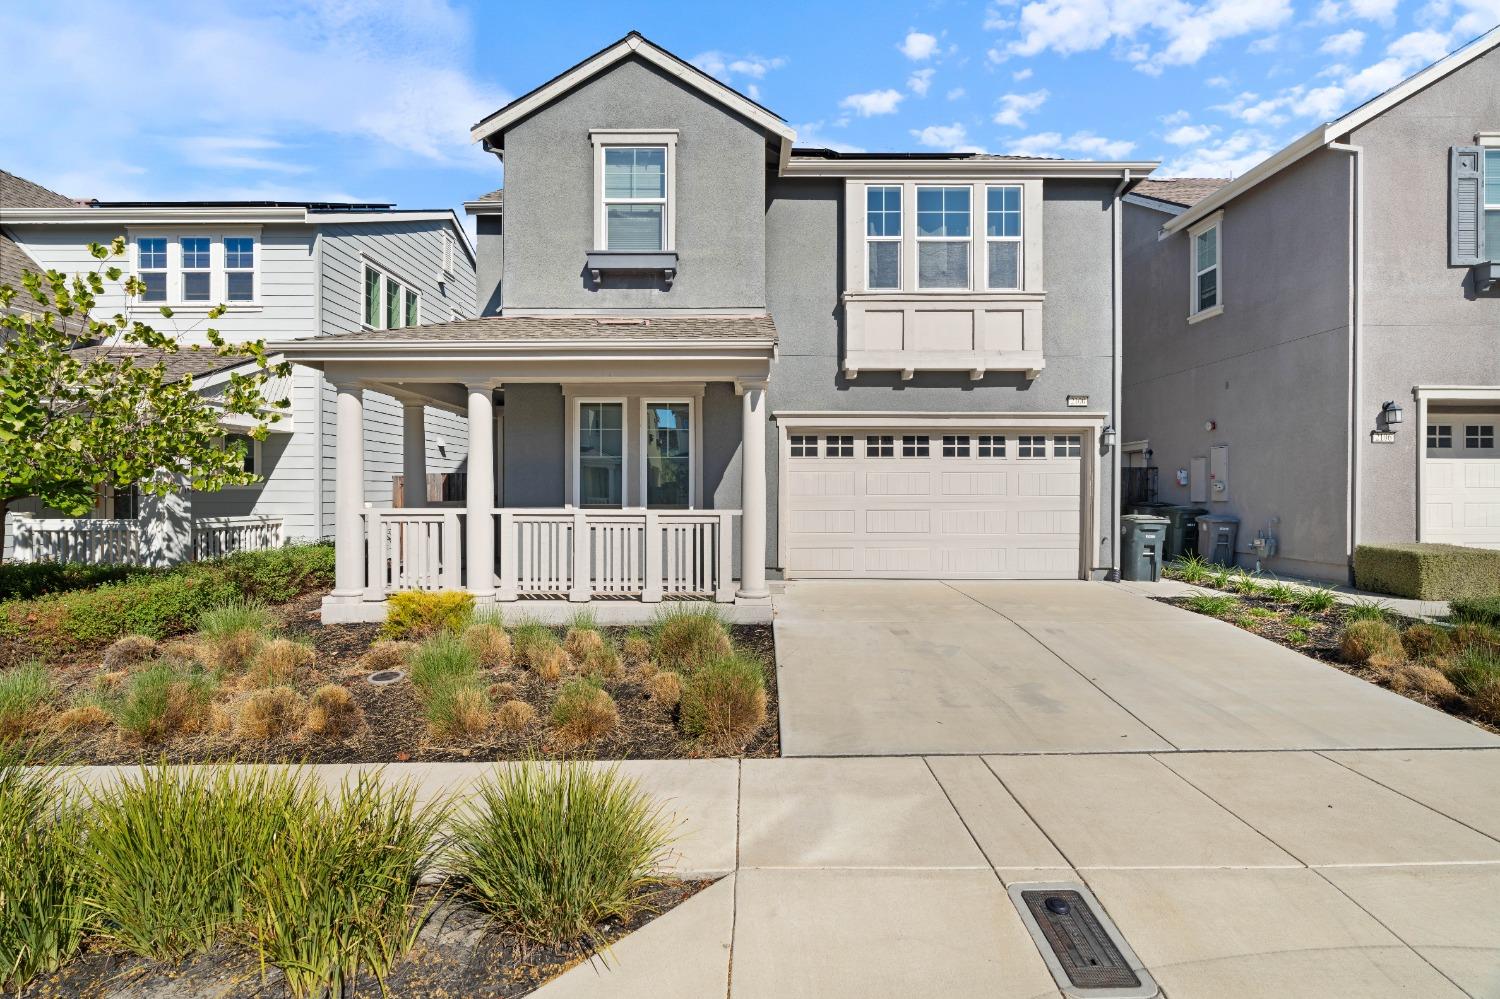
(1311, 347)
(707, 355)
(284, 270)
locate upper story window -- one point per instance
(197, 269)
(943, 237)
(1002, 233)
(151, 262)
(1492, 203)
(635, 198)
(1205, 253)
(389, 304)
(239, 268)
(883, 238)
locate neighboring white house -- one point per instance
(285, 270)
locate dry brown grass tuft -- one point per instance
(514, 716)
(1485, 701)
(126, 652)
(687, 639)
(465, 712)
(78, 719)
(1408, 678)
(235, 651)
(637, 649)
(581, 642)
(503, 691)
(1484, 636)
(387, 655)
(724, 702)
(277, 663)
(1426, 641)
(490, 645)
(190, 649)
(665, 688)
(1382, 664)
(602, 662)
(552, 663)
(582, 713)
(267, 714)
(1363, 640)
(333, 713)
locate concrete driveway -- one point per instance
(883, 668)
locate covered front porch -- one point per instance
(603, 462)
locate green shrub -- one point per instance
(1367, 610)
(163, 699)
(724, 701)
(1280, 592)
(1212, 604)
(1296, 636)
(171, 852)
(42, 911)
(1362, 641)
(1317, 600)
(24, 691)
(1188, 568)
(337, 891)
(233, 617)
(1480, 610)
(1427, 571)
(278, 575)
(553, 850)
(686, 637)
(419, 613)
(1300, 621)
(29, 580)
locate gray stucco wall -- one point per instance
(1424, 324)
(804, 254)
(490, 246)
(1270, 371)
(549, 199)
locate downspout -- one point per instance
(1355, 497)
(318, 383)
(1118, 336)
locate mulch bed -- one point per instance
(1321, 643)
(458, 955)
(395, 730)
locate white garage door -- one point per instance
(1461, 480)
(917, 504)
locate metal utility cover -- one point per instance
(1083, 949)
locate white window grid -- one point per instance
(1005, 219)
(1491, 187)
(879, 229)
(239, 268)
(880, 446)
(915, 446)
(396, 303)
(1439, 436)
(955, 445)
(804, 446)
(609, 200)
(151, 266)
(1067, 446)
(1031, 446)
(838, 446)
(1479, 435)
(991, 446)
(967, 239)
(1199, 269)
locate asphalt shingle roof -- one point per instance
(497, 195)
(184, 362)
(493, 329)
(1184, 191)
(18, 192)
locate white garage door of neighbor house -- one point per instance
(916, 504)
(1461, 480)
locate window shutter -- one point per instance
(1465, 210)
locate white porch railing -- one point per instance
(412, 549)
(217, 536)
(96, 541)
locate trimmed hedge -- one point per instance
(29, 580)
(166, 602)
(1427, 571)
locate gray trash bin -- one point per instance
(1142, 537)
(1182, 532)
(1155, 508)
(1216, 537)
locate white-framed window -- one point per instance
(944, 227)
(1492, 203)
(634, 180)
(1031, 446)
(252, 456)
(390, 303)
(991, 446)
(1002, 237)
(668, 454)
(915, 446)
(1439, 436)
(838, 446)
(1479, 435)
(883, 238)
(955, 445)
(1067, 446)
(239, 269)
(599, 453)
(804, 445)
(880, 446)
(1205, 253)
(197, 268)
(151, 267)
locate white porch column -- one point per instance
(753, 490)
(414, 454)
(481, 492)
(349, 496)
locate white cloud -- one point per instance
(1480, 16)
(920, 81)
(956, 93)
(1373, 10)
(1216, 81)
(1323, 103)
(1344, 43)
(873, 103)
(812, 134)
(918, 45)
(1189, 135)
(1177, 117)
(1227, 158)
(948, 137)
(1084, 143)
(236, 152)
(743, 71)
(1021, 74)
(1015, 107)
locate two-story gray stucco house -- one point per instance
(1325, 327)
(708, 353)
(283, 270)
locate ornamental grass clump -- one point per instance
(271, 713)
(171, 851)
(551, 851)
(530, 641)
(1212, 604)
(580, 642)
(489, 643)
(582, 713)
(24, 693)
(384, 655)
(664, 688)
(1367, 610)
(445, 671)
(336, 892)
(278, 662)
(42, 912)
(161, 700)
(333, 713)
(686, 638)
(1317, 600)
(1362, 641)
(1426, 641)
(514, 716)
(126, 652)
(724, 702)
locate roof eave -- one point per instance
(313, 353)
(966, 168)
(1283, 158)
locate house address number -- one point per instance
(1382, 437)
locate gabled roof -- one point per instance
(633, 45)
(1176, 192)
(18, 192)
(1333, 131)
(492, 203)
(179, 364)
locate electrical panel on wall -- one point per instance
(1198, 481)
(1218, 473)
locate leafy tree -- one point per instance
(72, 422)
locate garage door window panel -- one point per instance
(1067, 446)
(955, 445)
(1479, 436)
(804, 446)
(838, 446)
(1029, 446)
(917, 446)
(880, 446)
(1439, 437)
(991, 446)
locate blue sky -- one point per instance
(372, 101)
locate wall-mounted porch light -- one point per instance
(1390, 414)
(1107, 437)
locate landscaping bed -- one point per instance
(1452, 665)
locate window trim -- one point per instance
(605, 138)
(919, 239)
(257, 460)
(1019, 239)
(1476, 432)
(576, 457)
(1436, 439)
(218, 281)
(899, 239)
(693, 448)
(1214, 221)
(251, 270)
(1485, 206)
(387, 277)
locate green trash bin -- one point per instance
(1182, 530)
(1142, 537)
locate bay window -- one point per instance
(883, 238)
(1002, 234)
(943, 237)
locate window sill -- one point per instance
(602, 262)
(1198, 317)
(945, 294)
(197, 308)
(976, 362)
